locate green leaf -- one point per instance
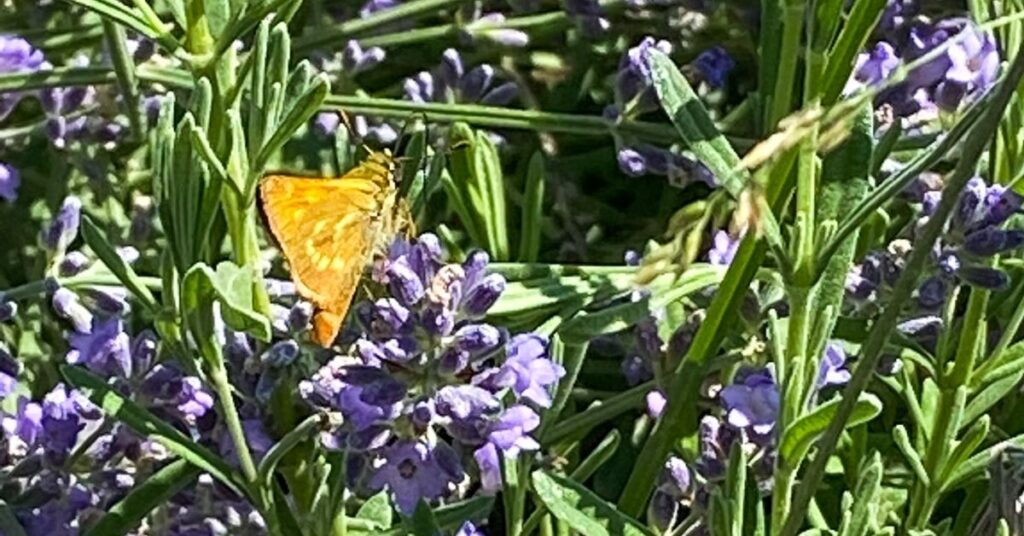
(146, 424)
(486, 193)
(292, 439)
(852, 38)
(532, 215)
(298, 114)
(377, 510)
(694, 125)
(846, 174)
(597, 414)
(801, 435)
(586, 326)
(452, 516)
(581, 509)
(990, 395)
(422, 522)
(735, 488)
(861, 516)
(116, 264)
(156, 490)
(231, 286)
(965, 447)
(902, 440)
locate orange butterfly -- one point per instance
(329, 229)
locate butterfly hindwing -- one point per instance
(326, 229)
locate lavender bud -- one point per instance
(484, 295)
(476, 82)
(984, 277)
(451, 70)
(73, 263)
(477, 338)
(326, 123)
(10, 180)
(8, 310)
(405, 283)
(631, 162)
(991, 241)
(64, 227)
(453, 361)
(714, 65)
(281, 354)
(143, 351)
(932, 293)
(68, 306)
(1001, 203)
(501, 95)
(299, 316)
(507, 37)
(112, 300)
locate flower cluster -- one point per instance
(429, 385)
(972, 237)
(966, 68)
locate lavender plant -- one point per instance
(682, 268)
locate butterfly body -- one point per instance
(328, 230)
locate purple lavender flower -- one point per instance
(355, 60)
(831, 369)
(634, 92)
(714, 66)
(64, 228)
(104, 349)
(875, 66)
(723, 249)
(412, 471)
(527, 370)
(643, 159)
(10, 181)
(67, 305)
(8, 310)
(469, 529)
(16, 55)
(509, 434)
(426, 378)
(10, 368)
(655, 402)
(752, 402)
(452, 83)
(73, 263)
(184, 395)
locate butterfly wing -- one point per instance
(326, 228)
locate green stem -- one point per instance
(792, 32)
(352, 28)
(124, 68)
(880, 332)
(225, 398)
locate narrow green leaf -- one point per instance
(965, 447)
(735, 488)
(990, 395)
(303, 108)
(297, 435)
(694, 125)
(586, 326)
(595, 415)
(855, 32)
(865, 504)
(581, 509)
(155, 491)
(116, 264)
(902, 440)
(975, 466)
(532, 214)
(798, 438)
(124, 67)
(422, 522)
(146, 424)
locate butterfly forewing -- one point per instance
(327, 229)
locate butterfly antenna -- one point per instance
(352, 130)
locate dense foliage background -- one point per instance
(682, 267)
